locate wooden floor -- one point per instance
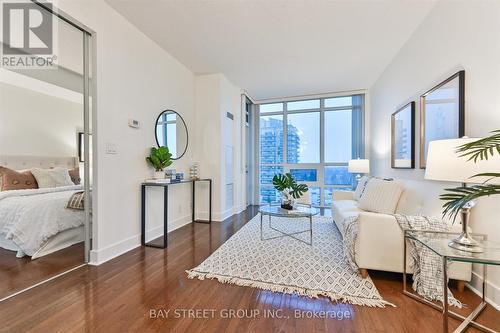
(19, 273)
(121, 295)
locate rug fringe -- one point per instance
(192, 274)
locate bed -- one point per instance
(37, 222)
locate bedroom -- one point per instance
(42, 154)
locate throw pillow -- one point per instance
(381, 196)
(75, 176)
(16, 180)
(358, 193)
(55, 177)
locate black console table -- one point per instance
(165, 207)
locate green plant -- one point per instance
(287, 183)
(159, 158)
(458, 197)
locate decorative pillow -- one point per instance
(55, 177)
(360, 189)
(381, 196)
(16, 180)
(75, 176)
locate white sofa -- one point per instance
(379, 244)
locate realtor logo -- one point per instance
(27, 35)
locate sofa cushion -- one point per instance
(342, 209)
(363, 181)
(381, 196)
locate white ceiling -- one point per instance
(275, 48)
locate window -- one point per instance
(305, 175)
(303, 138)
(313, 140)
(338, 129)
(337, 175)
(273, 107)
(271, 139)
(303, 105)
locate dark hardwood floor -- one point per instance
(121, 295)
(19, 273)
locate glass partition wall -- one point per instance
(313, 139)
(45, 150)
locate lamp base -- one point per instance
(466, 243)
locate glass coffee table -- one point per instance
(298, 212)
(437, 242)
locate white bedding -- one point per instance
(29, 218)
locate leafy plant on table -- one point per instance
(160, 158)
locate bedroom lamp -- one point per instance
(359, 166)
(444, 163)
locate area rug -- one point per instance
(288, 265)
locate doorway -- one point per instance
(45, 148)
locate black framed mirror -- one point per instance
(171, 131)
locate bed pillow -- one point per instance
(74, 174)
(381, 196)
(360, 189)
(16, 180)
(55, 177)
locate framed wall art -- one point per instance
(403, 137)
(442, 113)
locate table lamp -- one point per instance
(359, 166)
(444, 163)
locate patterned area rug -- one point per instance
(288, 265)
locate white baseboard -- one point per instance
(492, 291)
(217, 216)
(114, 250)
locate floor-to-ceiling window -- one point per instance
(312, 139)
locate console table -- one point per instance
(165, 207)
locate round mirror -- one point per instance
(171, 132)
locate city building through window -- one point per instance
(313, 140)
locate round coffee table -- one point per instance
(298, 212)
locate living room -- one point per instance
(280, 166)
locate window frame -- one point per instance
(358, 140)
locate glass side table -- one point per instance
(301, 211)
(437, 242)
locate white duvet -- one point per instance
(29, 218)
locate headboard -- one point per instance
(44, 162)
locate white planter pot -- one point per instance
(159, 175)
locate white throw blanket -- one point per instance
(30, 217)
(426, 265)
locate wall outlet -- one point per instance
(111, 148)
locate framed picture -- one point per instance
(403, 137)
(442, 113)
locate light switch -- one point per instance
(111, 148)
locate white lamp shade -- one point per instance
(445, 164)
(359, 166)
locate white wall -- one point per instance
(37, 124)
(135, 79)
(455, 35)
(215, 96)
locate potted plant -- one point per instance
(456, 198)
(159, 159)
(289, 189)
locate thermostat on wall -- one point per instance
(134, 123)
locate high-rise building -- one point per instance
(271, 152)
